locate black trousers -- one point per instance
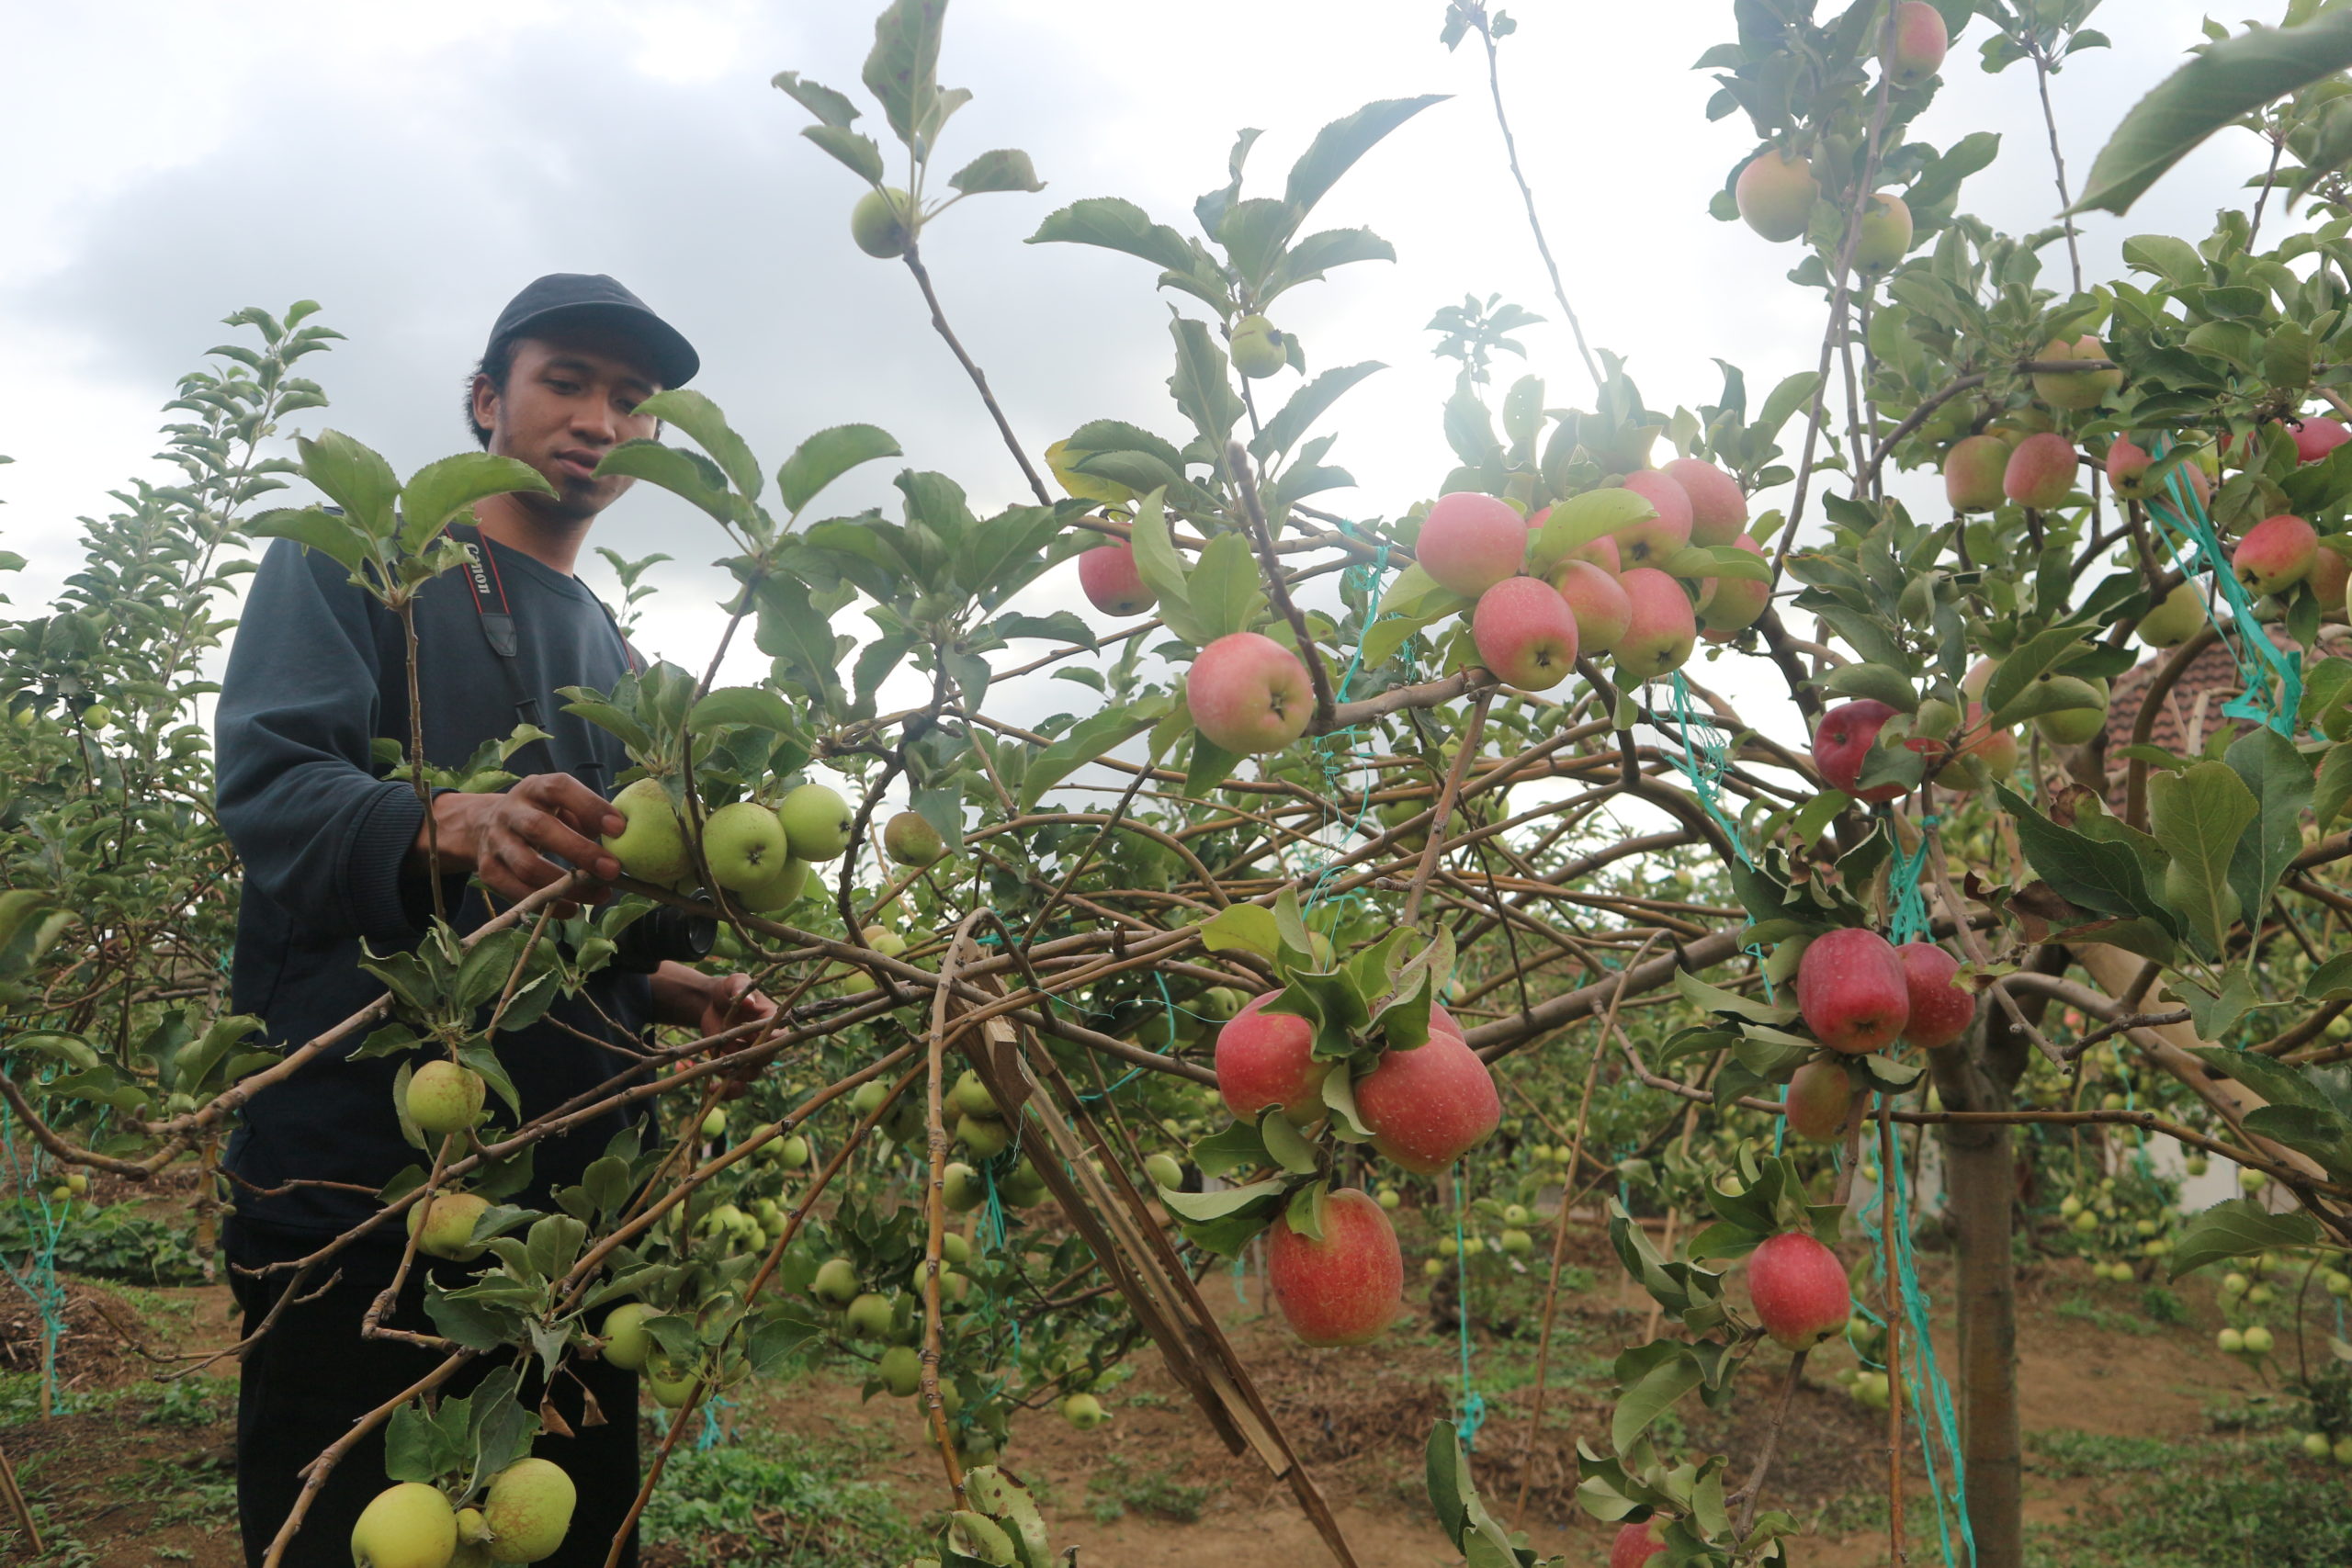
(313, 1375)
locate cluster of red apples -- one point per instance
(1425, 1107)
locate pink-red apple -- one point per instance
(1249, 693)
(2316, 438)
(1799, 1290)
(1852, 990)
(1348, 1287)
(1525, 632)
(1598, 601)
(1443, 1022)
(2041, 472)
(2127, 462)
(1842, 745)
(1664, 626)
(1653, 540)
(1113, 584)
(1469, 542)
(1735, 602)
(1718, 507)
(1820, 1097)
(1268, 1058)
(1602, 553)
(1920, 42)
(1429, 1106)
(1775, 193)
(2331, 575)
(1941, 1011)
(2275, 553)
(1972, 470)
(1634, 1545)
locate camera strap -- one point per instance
(498, 629)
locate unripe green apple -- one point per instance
(969, 1096)
(671, 1384)
(1165, 1170)
(714, 1124)
(527, 1510)
(407, 1526)
(1390, 1198)
(2342, 1452)
(1472, 1246)
(473, 1540)
(744, 844)
(984, 1135)
(2230, 1342)
(1084, 1411)
(962, 1189)
(783, 888)
(818, 823)
(77, 1183)
(444, 1097)
(2251, 1180)
(791, 1153)
(884, 940)
(2075, 725)
(2339, 1284)
(1432, 1266)
(910, 839)
(2176, 620)
(1775, 193)
(869, 1317)
(2258, 1340)
(836, 1282)
(652, 848)
(445, 1227)
(2316, 1445)
(95, 717)
(627, 1344)
(900, 1369)
(1886, 233)
(882, 222)
(2260, 1296)
(2074, 389)
(1516, 1240)
(1259, 347)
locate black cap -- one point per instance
(593, 301)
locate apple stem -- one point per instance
(1237, 463)
(1752, 1490)
(1446, 798)
(914, 259)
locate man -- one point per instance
(336, 854)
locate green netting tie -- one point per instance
(1473, 1405)
(1343, 744)
(1241, 1276)
(2183, 521)
(1700, 738)
(712, 1433)
(1909, 916)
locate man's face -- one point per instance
(568, 401)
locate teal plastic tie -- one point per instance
(1343, 746)
(1701, 739)
(1473, 1405)
(2188, 533)
(1909, 917)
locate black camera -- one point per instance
(665, 932)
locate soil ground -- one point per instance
(130, 1471)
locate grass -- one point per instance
(778, 1500)
(2218, 1502)
(1115, 1489)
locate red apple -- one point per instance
(1635, 1545)
(2127, 462)
(1917, 51)
(1653, 540)
(1941, 1011)
(1526, 634)
(1733, 603)
(1113, 584)
(1598, 601)
(1348, 1287)
(1972, 470)
(2275, 553)
(1820, 1097)
(1718, 507)
(1843, 744)
(1664, 628)
(2316, 438)
(2041, 472)
(1443, 1022)
(1852, 990)
(1268, 1058)
(1799, 1290)
(1469, 542)
(2331, 574)
(1602, 553)
(1249, 693)
(1775, 193)
(1429, 1106)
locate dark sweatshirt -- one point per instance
(318, 670)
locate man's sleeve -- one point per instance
(318, 832)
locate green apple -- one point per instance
(714, 1126)
(954, 1249)
(2342, 1452)
(836, 1282)
(445, 1227)
(900, 1369)
(444, 1097)
(884, 940)
(2248, 1180)
(1391, 1200)
(817, 821)
(2258, 1341)
(671, 1385)
(2317, 1446)
(1084, 1411)
(626, 1342)
(407, 1526)
(95, 717)
(869, 1317)
(744, 844)
(653, 846)
(910, 839)
(961, 1187)
(1432, 1266)
(970, 1097)
(882, 222)
(2172, 621)
(869, 1097)
(1515, 1214)
(473, 1540)
(984, 1135)
(528, 1509)
(1517, 1241)
(782, 889)
(791, 1153)
(1165, 1170)
(1259, 347)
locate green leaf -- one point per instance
(903, 68)
(1580, 520)
(2279, 779)
(2225, 81)
(1315, 255)
(354, 476)
(743, 705)
(1225, 1201)
(1157, 559)
(1652, 1378)
(830, 107)
(791, 628)
(2102, 876)
(2334, 787)
(689, 475)
(1287, 1146)
(1201, 387)
(1711, 998)
(1337, 145)
(1089, 740)
(2330, 980)
(2238, 1228)
(1230, 1148)
(1224, 590)
(2197, 815)
(1306, 405)
(1005, 168)
(1114, 224)
(439, 491)
(2019, 672)
(1247, 927)
(826, 457)
(1892, 687)
(315, 528)
(861, 155)
(1209, 766)
(701, 418)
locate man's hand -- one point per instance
(505, 839)
(711, 1004)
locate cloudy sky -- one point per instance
(411, 166)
